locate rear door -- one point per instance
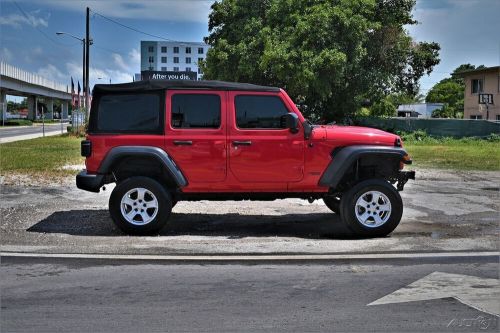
(195, 134)
(261, 149)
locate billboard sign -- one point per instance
(168, 75)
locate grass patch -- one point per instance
(41, 156)
(462, 154)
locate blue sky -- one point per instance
(468, 31)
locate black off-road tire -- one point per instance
(158, 220)
(333, 203)
(348, 208)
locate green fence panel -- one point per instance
(435, 127)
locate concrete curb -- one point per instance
(253, 258)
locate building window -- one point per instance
(151, 48)
(476, 117)
(176, 49)
(176, 60)
(188, 69)
(188, 50)
(200, 50)
(498, 117)
(176, 69)
(477, 86)
(200, 60)
(188, 60)
(151, 59)
(164, 69)
(163, 60)
(163, 49)
(200, 71)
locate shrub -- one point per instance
(18, 122)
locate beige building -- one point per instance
(481, 81)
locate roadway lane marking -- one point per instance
(479, 293)
(255, 257)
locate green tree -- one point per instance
(450, 91)
(333, 54)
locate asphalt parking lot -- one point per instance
(444, 211)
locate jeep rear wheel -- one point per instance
(372, 208)
(140, 206)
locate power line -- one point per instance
(136, 30)
(39, 30)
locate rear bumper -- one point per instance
(89, 182)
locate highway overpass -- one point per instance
(17, 82)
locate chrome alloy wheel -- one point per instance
(373, 209)
(139, 206)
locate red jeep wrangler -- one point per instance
(166, 141)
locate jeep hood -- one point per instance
(357, 135)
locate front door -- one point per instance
(195, 134)
(261, 149)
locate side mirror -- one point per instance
(291, 121)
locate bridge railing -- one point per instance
(32, 78)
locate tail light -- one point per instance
(86, 148)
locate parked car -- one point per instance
(163, 142)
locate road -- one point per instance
(29, 132)
(83, 295)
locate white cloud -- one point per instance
(5, 54)
(119, 62)
(121, 69)
(51, 72)
(172, 10)
(466, 30)
(17, 20)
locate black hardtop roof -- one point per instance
(151, 85)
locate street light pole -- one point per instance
(83, 56)
(87, 54)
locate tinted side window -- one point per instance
(129, 113)
(195, 111)
(259, 111)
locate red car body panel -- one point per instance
(275, 161)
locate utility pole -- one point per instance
(83, 68)
(87, 72)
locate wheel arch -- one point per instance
(348, 162)
(134, 158)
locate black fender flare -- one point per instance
(346, 156)
(159, 154)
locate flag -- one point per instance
(72, 92)
(79, 104)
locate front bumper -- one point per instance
(89, 182)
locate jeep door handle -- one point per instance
(242, 143)
(183, 143)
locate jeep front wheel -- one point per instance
(372, 208)
(140, 206)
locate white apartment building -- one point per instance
(173, 56)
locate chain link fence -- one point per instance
(78, 120)
(457, 128)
